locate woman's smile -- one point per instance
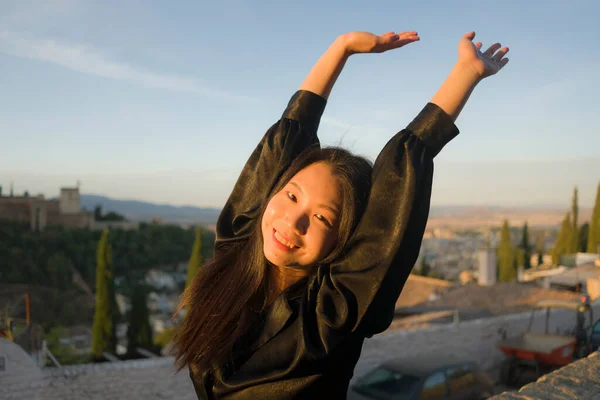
(282, 242)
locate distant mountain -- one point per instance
(143, 211)
(448, 216)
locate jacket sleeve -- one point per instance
(281, 144)
(359, 291)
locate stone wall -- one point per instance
(15, 208)
(474, 340)
(579, 380)
(39, 213)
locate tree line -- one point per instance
(106, 316)
(571, 239)
(49, 258)
(59, 265)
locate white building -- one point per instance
(487, 267)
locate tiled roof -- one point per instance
(502, 298)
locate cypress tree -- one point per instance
(506, 256)
(561, 247)
(583, 237)
(574, 233)
(139, 331)
(526, 248)
(540, 249)
(195, 258)
(594, 232)
(103, 330)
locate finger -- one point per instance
(478, 45)
(498, 56)
(404, 42)
(470, 35)
(492, 49)
(408, 34)
(503, 62)
(388, 34)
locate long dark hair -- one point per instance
(233, 288)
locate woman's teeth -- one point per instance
(283, 241)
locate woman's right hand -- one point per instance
(365, 42)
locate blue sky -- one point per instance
(164, 101)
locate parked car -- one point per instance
(595, 336)
(411, 380)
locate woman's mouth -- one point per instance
(282, 242)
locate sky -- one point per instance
(164, 101)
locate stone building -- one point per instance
(39, 212)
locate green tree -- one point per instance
(506, 256)
(526, 248)
(139, 332)
(594, 233)
(103, 339)
(164, 338)
(65, 354)
(98, 212)
(424, 269)
(583, 237)
(111, 216)
(195, 258)
(60, 271)
(561, 247)
(574, 234)
(540, 248)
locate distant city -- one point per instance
(462, 273)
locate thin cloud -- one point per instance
(87, 60)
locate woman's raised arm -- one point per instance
(472, 66)
(359, 291)
(322, 76)
(294, 132)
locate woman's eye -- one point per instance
(323, 219)
(291, 196)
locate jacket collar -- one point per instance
(277, 314)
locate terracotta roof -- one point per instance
(502, 298)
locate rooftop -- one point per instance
(502, 298)
(148, 379)
(155, 379)
(418, 289)
(573, 276)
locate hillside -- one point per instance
(144, 211)
(452, 217)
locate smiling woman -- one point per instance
(314, 245)
(311, 217)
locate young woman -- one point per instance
(314, 245)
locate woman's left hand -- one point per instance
(483, 64)
(365, 42)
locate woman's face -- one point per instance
(300, 223)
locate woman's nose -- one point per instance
(298, 221)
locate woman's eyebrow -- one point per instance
(334, 210)
(297, 186)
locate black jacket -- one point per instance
(309, 340)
